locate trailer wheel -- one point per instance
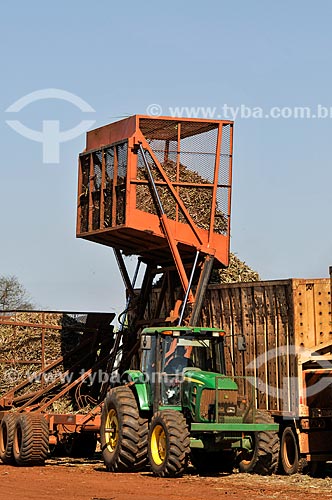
(7, 429)
(212, 462)
(290, 461)
(168, 444)
(263, 459)
(31, 438)
(123, 433)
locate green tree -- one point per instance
(13, 294)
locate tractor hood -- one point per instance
(202, 391)
(208, 379)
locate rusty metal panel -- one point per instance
(320, 442)
(236, 308)
(110, 134)
(215, 308)
(248, 322)
(271, 345)
(263, 312)
(312, 312)
(323, 397)
(227, 325)
(284, 320)
(261, 347)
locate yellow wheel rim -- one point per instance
(158, 445)
(111, 430)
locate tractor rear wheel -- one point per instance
(31, 437)
(168, 444)
(7, 429)
(123, 432)
(263, 459)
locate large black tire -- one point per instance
(123, 433)
(168, 444)
(7, 430)
(212, 462)
(142, 446)
(31, 438)
(264, 457)
(82, 445)
(290, 461)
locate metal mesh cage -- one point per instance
(104, 194)
(108, 191)
(121, 151)
(144, 199)
(96, 179)
(130, 164)
(187, 153)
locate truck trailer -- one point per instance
(287, 329)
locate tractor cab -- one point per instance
(170, 356)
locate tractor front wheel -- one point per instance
(168, 444)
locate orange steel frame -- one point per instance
(207, 242)
(159, 232)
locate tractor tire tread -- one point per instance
(266, 455)
(34, 444)
(7, 429)
(178, 448)
(131, 452)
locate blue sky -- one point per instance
(122, 56)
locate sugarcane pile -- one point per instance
(32, 340)
(237, 272)
(197, 200)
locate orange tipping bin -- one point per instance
(191, 163)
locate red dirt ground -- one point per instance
(65, 479)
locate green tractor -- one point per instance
(180, 407)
